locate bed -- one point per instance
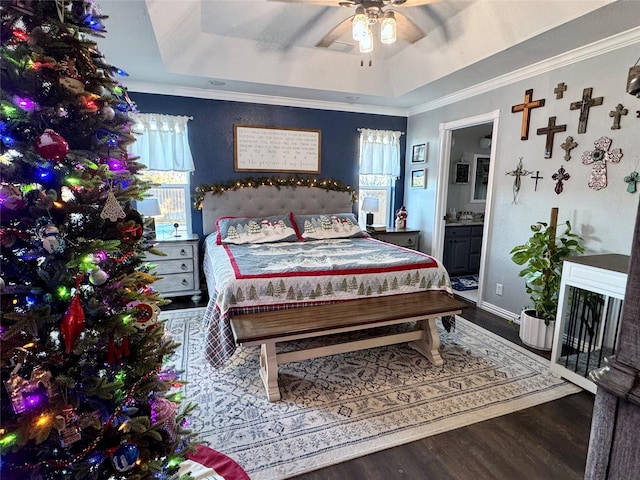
(244, 278)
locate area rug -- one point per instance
(468, 282)
(344, 406)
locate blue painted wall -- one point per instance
(211, 136)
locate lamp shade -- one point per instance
(370, 204)
(149, 207)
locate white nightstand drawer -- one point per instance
(174, 252)
(176, 282)
(174, 266)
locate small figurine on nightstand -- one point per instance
(401, 218)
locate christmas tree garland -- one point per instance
(250, 182)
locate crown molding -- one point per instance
(144, 87)
(615, 42)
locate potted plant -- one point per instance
(542, 256)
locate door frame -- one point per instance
(444, 169)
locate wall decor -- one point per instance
(526, 108)
(584, 106)
(616, 114)
(567, 146)
(518, 173)
(419, 153)
(480, 178)
(599, 158)
(271, 149)
(419, 178)
(550, 131)
(559, 90)
(462, 172)
(632, 179)
(560, 177)
(536, 177)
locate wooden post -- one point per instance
(553, 224)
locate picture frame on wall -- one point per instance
(419, 153)
(462, 172)
(419, 178)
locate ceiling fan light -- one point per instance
(366, 43)
(388, 29)
(359, 24)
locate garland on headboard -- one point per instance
(250, 182)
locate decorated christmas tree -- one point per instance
(87, 388)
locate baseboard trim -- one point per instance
(500, 312)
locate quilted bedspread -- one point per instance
(260, 277)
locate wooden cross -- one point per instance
(616, 114)
(559, 90)
(584, 105)
(560, 177)
(536, 177)
(518, 173)
(567, 146)
(526, 108)
(550, 131)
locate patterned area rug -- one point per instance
(345, 406)
(468, 282)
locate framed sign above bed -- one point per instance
(271, 149)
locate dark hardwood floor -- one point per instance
(546, 442)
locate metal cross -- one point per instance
(567, 146)
(536, 177)
(526, 108)
(560, 177)
(518, 173)
(632, 179)
(616, 114)
(584, 105)
(550, 131)
(559, 90)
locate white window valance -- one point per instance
(162, 141)
(380, 152)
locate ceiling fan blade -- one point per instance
(321, 3)
(335, 34)
(408, 30)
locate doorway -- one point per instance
(459, 175)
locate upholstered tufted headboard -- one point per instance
(268, 200)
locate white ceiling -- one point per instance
(268, 48)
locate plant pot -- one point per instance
(534, 332)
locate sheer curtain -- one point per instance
(162, 142)
(380, 152)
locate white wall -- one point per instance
(604, 218)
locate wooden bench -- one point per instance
(268, 328)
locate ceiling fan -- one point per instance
(370, 15)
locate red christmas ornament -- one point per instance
(72, 323)
(51, 146)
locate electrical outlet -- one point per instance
(498, 289)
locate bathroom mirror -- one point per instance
(479, 178)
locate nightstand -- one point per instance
(405, 238)
(179, 269)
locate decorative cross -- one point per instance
(526, 108)
(632, 179)
(616, 114)
(567, 146)
(560, 177)
(550, 131)
(517, 173)
(584, 105)
(599, 158)
(559, 90)
(536, 177)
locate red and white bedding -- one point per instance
(270, 276)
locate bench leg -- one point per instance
(429, 344)
(269, 370)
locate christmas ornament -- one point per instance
(146, 314)
(51, 146)
(163, 412)
(401, 218)
(70, 80)
(51, 240)
(11, 197)
(72, 323)
(107, 113)
(98, 277)
(112, 209)
(117, 349)
(599, 158)
(32, 393)
(69, 432)
(125, 457)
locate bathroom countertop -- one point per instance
(462, 223)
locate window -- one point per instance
(380, 187)
(172, 192)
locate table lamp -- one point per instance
(370, 205)
(149, 207)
